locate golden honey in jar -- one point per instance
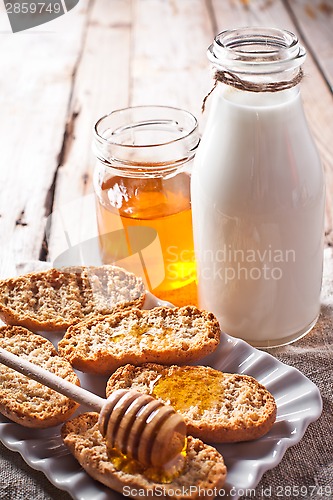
(142, 185)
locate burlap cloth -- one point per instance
(306, 470)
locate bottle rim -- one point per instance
(256, 50)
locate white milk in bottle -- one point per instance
(258, 193)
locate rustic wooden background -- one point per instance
(56, 80)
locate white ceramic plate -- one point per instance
(298, 401)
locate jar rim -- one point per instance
(256, 50)
(148, 138)
(107, 141)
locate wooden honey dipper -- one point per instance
(136, 424)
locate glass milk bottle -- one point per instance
(258, 192)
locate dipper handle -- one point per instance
(136, 424)
(52, 380)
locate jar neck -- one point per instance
(144, 170)
(146, 141)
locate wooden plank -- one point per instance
(36, 79)
(315, 22)
(140, 52)
(169, 63)
(316, 95)
(101, 85)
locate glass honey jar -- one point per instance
(142, 187)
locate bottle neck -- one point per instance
(257, 66)
(256, 99)
(257, 53)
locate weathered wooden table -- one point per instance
(57, 79)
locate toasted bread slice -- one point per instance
(23, 400)
(55, 299)
(217, 407)
(163, 335)
(204, 469)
